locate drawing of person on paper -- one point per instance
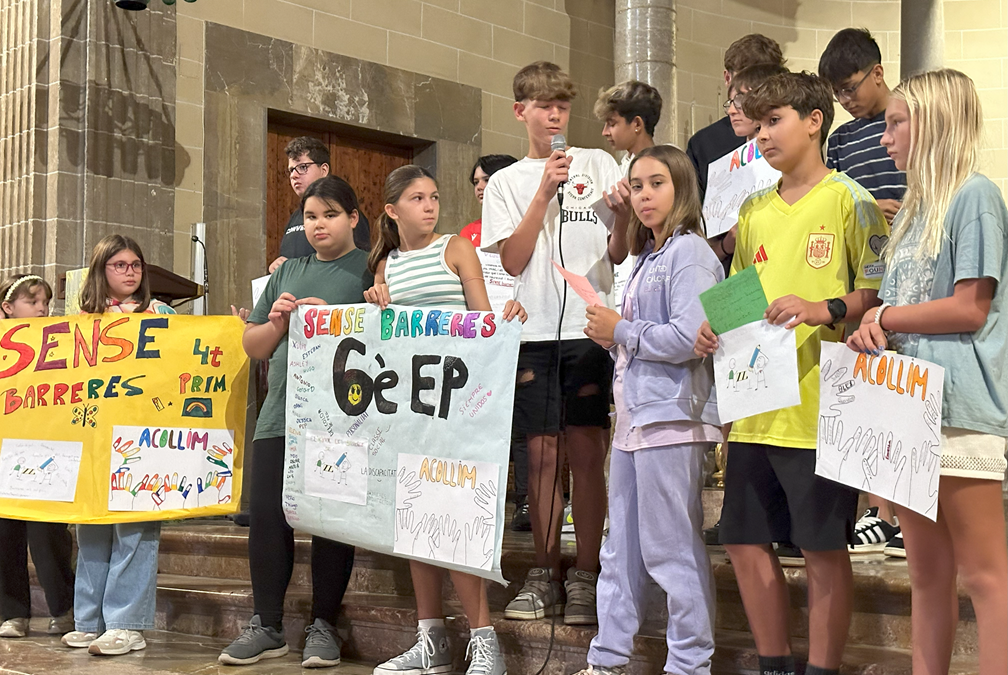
(757, 366)
(47, 470)
(344, 465)
(324, 468)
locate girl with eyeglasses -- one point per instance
(116, 564)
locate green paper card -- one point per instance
(734, 302)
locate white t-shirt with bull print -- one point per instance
(584, 245)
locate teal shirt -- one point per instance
(338, 282)
(975, 393)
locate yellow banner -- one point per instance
(108, 418)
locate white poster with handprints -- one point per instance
(445, 510)
(337, 468)
(42, 470)
(755, 370)
(154, 468)
(880, 425)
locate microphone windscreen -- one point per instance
(558, 143)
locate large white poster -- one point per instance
(399, 428)
(880, 425)
(755, 370)
(730, 181)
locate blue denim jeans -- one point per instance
(116, 576)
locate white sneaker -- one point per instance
(116, 642)
(567, 525)
(14, 628)
(78, 639)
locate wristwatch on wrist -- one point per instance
(837, 309)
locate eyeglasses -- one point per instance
(737, 102)
(121, 267)
(847, 93)
(301, 168)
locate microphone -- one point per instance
(558, 142)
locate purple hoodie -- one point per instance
(664, 380)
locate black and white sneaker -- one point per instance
(871, 533)
(895, 548)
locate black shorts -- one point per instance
(548, 392)
(772, 494)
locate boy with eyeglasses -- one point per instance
(307, 161)
(852, 64)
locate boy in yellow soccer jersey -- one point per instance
(814, 239)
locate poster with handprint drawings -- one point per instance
(163, 469)
(398, 430)
(446, 510)
(880, 425)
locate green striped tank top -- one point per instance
(422, 278)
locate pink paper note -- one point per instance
(580, 285)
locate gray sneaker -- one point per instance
(321, 647)
(580, 586)
(539, 597)
(484, 654)
(428, 656)
(256, 642)
(14, 628)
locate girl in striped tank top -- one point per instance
(413, 265)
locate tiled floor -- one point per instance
(166, 653)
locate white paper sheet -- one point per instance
(162, 469)
(41, 470)
(755, 370)
(258, 286)
(730, 181)
(337, 468)
(499, 284)
(445, 510)
(880, 425)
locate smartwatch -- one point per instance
(837, 309)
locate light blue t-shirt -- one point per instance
(976, 381)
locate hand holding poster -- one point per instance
(730, 181)
(880, 425)
(398, 430)
(121, 417)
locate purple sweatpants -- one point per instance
(655, 530)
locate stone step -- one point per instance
(377, 626)
(881, 596)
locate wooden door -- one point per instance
(362, 163)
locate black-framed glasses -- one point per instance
(301, 168)
(120, 267)
(736, 101)
(847, 93)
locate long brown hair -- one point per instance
(95, 293)
(686, 215)
(388, 231)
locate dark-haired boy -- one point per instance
(307, 161)
(564, 379)
(852, 64)
(808, 234)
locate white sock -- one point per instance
(427, 624)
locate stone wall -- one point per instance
(89, 132)
(976, 42)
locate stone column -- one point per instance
(644, 49)
(922, 36)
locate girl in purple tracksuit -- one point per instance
(666, 419)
